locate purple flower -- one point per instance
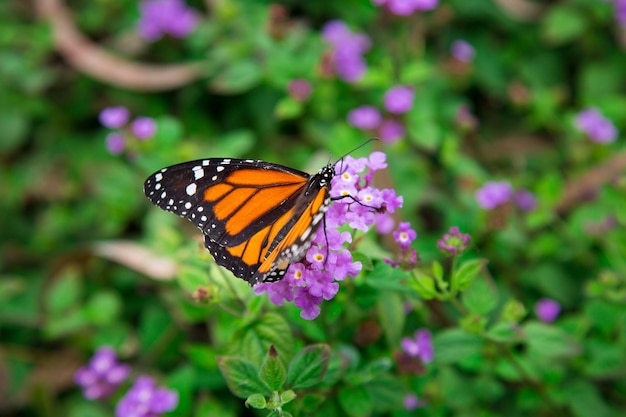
(165, 17)
(547, 310)
(620, 12)
(454, 242)
(419, 346)
(315, 278)
(462, 50)
(424, 5)
(114, 117)
(115, 143)
(145, 399)
(143, 127)
(365, 118)
(102, 375)
(404, 235)
(399, 99)
(525, 200)
(494, 194)
(348, 49)
(300, 89)
(411, 402)
(390, 131)
(598, 128)
(406, 7)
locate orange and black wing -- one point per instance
(257, 217)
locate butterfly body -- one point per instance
(257, 217)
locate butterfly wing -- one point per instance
(257, 217)
(230, 200)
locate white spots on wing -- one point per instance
(203, 218)
(206, 162)
(226, 161)
(169, 203)
(200, 208)
(163, 194)
(198, 172)
(157, 186)
(158, 177)
(191, 189)
(220, 169)
(306, 233)
(187, 205)
(214, 178)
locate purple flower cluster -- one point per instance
(142, 128)
(315, 278)
(101, 377)
(404, 236)
(462, 50)
(300, 89)
(620, 12)
(407, 7)
(165, 17)
(348, 50)
(497, 193)
(454, 242)
(145, 399)
(411, 402)
(419, 346)
(547, 310)
(597, 127)
(398, 100)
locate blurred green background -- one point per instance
(87, 261)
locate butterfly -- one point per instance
(257, 217)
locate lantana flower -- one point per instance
(358, 204)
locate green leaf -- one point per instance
(384, 276)
(308, 367)
(584, 400)
(391, 316)
(288, 108)
(467, 272)
(287, 396)
(549, 342)
(153, 324)
(480, 298)
(254, 339)
(437, 271)
(240, 76)
(201, 355)
(191, 277)
(273, 371)
(242, 376)
(169, 132)
(256, 401)
(15, 126)
(454, 345)
(387, 391)
(563, 23)
(65, 291)
(356, 401)
(424, 285)
(503, 332)
(370, 372)
(103, 308)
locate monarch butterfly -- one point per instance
(257, 217)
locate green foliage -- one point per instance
(157, 297)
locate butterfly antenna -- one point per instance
(357, 148)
